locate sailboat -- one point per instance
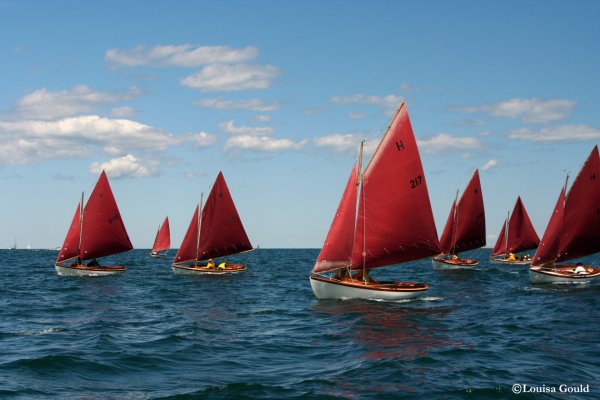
(214, 231)
(394, 223)
(464, 230)
(517, 235)
(96, 230)
(162, 242)
(14, 245)
(573, 230)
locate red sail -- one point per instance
(446, 239)
(395, 222)
(548, 248)
(500, 246)
(521, 234)
(470, 218)
(163, 237)
(221, 230)
(337, 249)
(103, 231)
(70, 248)
(580, 232)
(188, 251)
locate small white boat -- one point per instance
(394, 222)
(96, 230)
(562, 274)
(214, 231)
(573, 230)
(464, 229)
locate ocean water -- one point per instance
(149, 334)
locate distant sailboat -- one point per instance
(96, 230)
(517, 235)
(464, 230)
(14, 245)
(394, 223)
(573, 230)
(215, 231)
(162, 242)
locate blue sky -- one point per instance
(277, 95)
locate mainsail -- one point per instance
(337, 249)
(395, 222)
(163, 237)
(467, 228)
(519, 235)
(99, 230)
(219, 232)
(574, 231)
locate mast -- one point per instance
(199, 225)
(506, 224)
(358, 182)
(80, 227)
(454, 225)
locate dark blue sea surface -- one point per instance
(149, 334)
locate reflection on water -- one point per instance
(385, 330)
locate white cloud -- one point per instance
(222, 77)
(489, 165)
(444, 142)
(356, 115)
(530, 111)
(231, 129)
(184, 55)
(346, 143)
(557, 134)
(28, 141)
(389, 101)
(44, 104)
(122, 112)
(262, 143)
(263, 118)
(253, 104)
(125, 167)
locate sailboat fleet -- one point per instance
(384, 218)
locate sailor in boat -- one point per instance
(210, 264)
(93, 263)
(580, 270)
(365, 277)
(222, 265)
(511, 257)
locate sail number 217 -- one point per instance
(414, 183)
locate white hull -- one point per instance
(197, 271)
(446, 265)
(86, 271)
(324, 288)
(541, 275)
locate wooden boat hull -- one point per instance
(200, 270)
(561, 274)
(440, 263)
(502, 261)
(83, 270)
(326, 288)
